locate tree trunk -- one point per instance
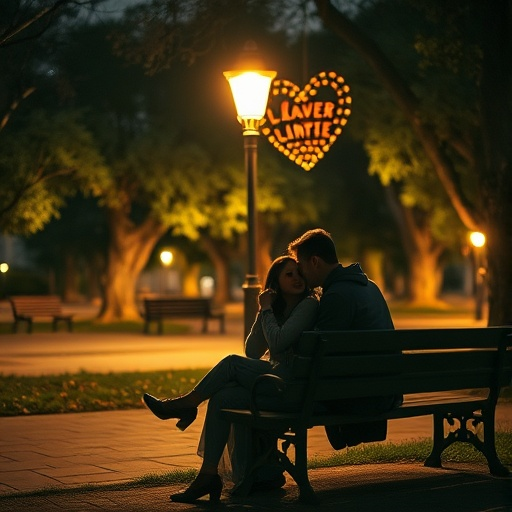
(424, 278)
(422, 251)
(496, 166)
(128, 252)
(191, 280)
(372, 262)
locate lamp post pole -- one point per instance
(478, 242)
(250, 86)
(251, 285)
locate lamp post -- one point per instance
(477, 240)
(250, 86)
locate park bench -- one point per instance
(158, 309)
(27, 307)
(455, 375)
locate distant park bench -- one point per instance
(158, 309)
(425, 365)
(27, 307)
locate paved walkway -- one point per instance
(70, 450)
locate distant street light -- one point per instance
(477, 240)
(166, 258)
(250, 86)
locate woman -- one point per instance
(286, 309)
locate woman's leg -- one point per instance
(216, 432)
(233, 370)
(217, 429)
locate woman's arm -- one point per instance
(256, 344)
(280, 339)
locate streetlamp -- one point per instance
(250, 86)
(166, 258)
(477, 240)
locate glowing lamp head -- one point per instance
(250, 86)
(250, 91)
(477, 239)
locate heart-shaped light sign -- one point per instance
(303, 124)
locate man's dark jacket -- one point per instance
(351, 301)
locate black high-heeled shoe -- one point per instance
(167, 409)
(204, 484)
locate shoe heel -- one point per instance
(215, 495)
(185, 422)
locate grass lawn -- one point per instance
(86, 392)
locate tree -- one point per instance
(485, 148)
(29, 31)
(42, 163)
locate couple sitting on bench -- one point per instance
(288, 306)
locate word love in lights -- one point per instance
(303, 124)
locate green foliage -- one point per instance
(42, 163)
(86, 392)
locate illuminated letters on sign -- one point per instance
(303, 124)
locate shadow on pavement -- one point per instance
(369, 488)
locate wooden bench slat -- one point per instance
(396, 363)
(400, 339)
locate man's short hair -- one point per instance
(315, 242)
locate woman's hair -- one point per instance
(272, 281)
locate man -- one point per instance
(350, 301)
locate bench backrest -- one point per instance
(177, 307)
(36, 305)
(353, 364)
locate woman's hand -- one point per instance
(266, 298)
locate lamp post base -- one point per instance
(251, 289)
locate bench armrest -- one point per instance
(260, 381)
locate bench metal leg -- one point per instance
(434, 459)
(466, 435)
(299, 471)
(488, 447)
